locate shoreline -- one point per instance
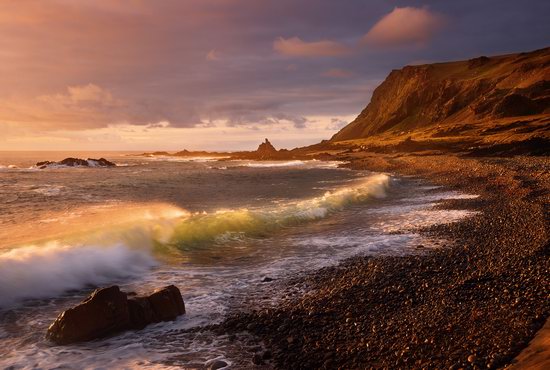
(475, 303)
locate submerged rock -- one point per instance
(77, 162)
(108, 310)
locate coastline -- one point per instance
(475, 303)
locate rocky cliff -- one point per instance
(465, 92)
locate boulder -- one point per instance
(109, 310)
(166, 303)
(103, 313)
(141, 313)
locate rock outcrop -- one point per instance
(108, 310)
(77, 162)
(266, 150)
(444, 94)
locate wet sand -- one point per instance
(474, 303)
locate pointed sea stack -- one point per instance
(266, 150)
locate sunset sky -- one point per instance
(225, 74)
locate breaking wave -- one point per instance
(197, 229)
(293, 163)
(51, 269)
(129, 248)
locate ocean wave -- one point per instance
(8, 167)
(139, 235)
(197, 229)
(51, 269)
(293, 163)
(49, 190)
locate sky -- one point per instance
(225, 74)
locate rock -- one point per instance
(515, 105)
(267, 279)
(101, 162)
(103, 313)
(109, 310)
(77, 162)
(166, 303)
(141, 312)
(266, 149)
(218, 364)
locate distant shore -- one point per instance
(475, 303)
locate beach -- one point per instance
(474, 303)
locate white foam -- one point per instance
(8, 167)
(294, 163)
(51, 269)
(48, 270)
(49, 190)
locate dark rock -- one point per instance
(218, 364)
(101, 162)
(166, 303)
(73, 162)
(77, 162)
(141, 312)
(103, 313)
(516, 105)
(266, 149)
(267, 279)
(109, 310)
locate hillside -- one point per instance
(483, 100)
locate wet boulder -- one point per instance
(166, 303)
(141, 312)
(103, 313)
(108, 310)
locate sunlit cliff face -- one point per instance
(223, 74)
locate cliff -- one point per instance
(470, 92)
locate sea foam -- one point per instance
(51, 269)
(132, 248)
(201, 228)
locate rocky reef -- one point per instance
(109, 310)
(77, 162)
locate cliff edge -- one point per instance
(464, 92)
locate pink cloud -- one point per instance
(405, 26)
(213, 55)
(337, 73)
(297, 48)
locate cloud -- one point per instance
(295, 47)
(252, 114)
(405, 26)
(336, 124)
(90, 107)
(337, 73)
(213, 55)
(80, 96)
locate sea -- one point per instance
(216, 228)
